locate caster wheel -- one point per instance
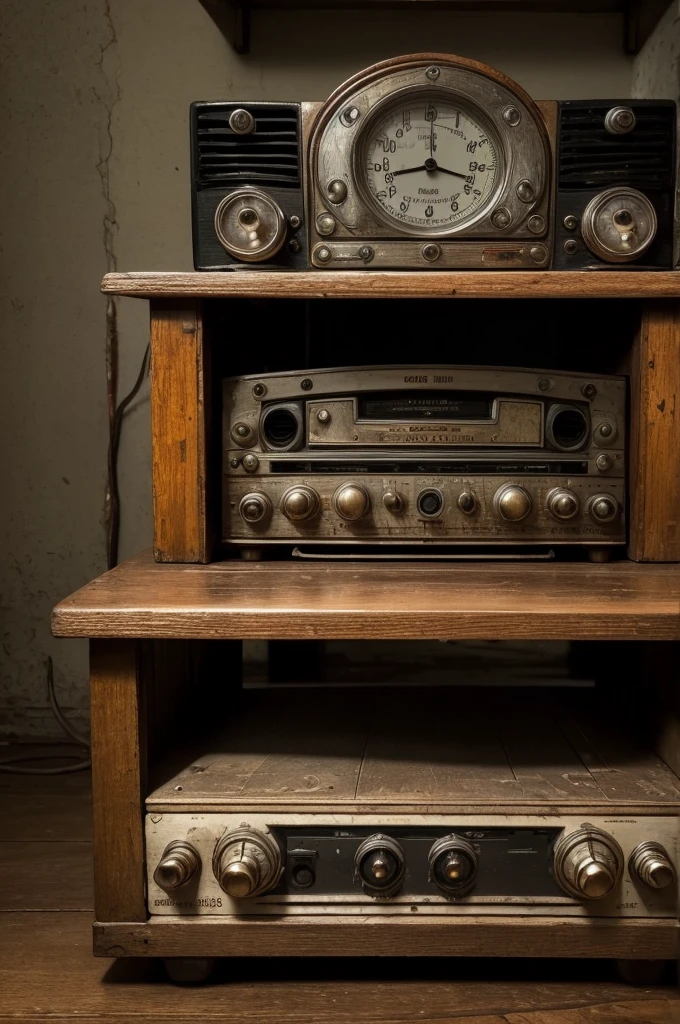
(189, 970)
(641, 972)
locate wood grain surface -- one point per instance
(289, 600)
(368, 284)
(655, 437)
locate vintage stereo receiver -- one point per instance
(424, 455)
(433, 161)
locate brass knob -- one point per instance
(351, 501)
(394, 502)
(651, 864)
(453, 864)
(562, 503)
(178, 864)
(512, 503)
(602, 508)
(254, 507)
(300, 502)
(379, 865)
(246, 862)
(588, 863)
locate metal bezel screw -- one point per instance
(589, 391)
(431, 252)
(433, 73)
(511, 116)
(544, 384)
(259, 390)
(307, 384)
(366, 253)
(323, 254)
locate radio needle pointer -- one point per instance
(429, 165)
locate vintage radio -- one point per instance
(424, 455)
(433, 161)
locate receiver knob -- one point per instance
(602, 508)
(254, 507)
(379, 864)
(619, 225)
(588, 863)
(300, 502)
(351, 501)
(246, 862)
(178, 864)
(453, 864)
(394, 502)
(250, 225)
(467, 502)
(562, 503)
(651, 864)
(512, 502)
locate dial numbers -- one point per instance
(430, 165)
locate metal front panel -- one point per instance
(514, 851)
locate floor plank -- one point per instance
(46, 876)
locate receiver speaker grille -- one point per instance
(269, 155)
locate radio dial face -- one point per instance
(429, 164)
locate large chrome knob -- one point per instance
(588, 863)
(351, 501)
(512, 503)
(246, 862)
(300, 502)
(619, 225)
(179, 862)
(250, 225)
(379, 865)
(453, 864)
(254, 507)
(562, 503)
(651, 864)
(603, 508)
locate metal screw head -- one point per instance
(544, 384)
(326, 224)
(295, 221)
(241, 121)
(431, 252)
(337, 191)
(501, 217)
(294, 245)
(570, 222)
(604, 463)
(366, 253)
(241, 429)
(259, 390)
(250, 462)
(571, 246)
(605, 430)
(589, 391)
(511, 116)
(323, 416)
(536, 225)
(525, 191)
(234, 463)
(350, 116)
(323, 254)
(433, 74)
(538, 253)
(306, 384)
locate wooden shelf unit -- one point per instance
(640, 17)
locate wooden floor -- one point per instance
(47, 972)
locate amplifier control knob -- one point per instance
(351, 501)
(255, 507)
(619, 225)
(453, 864)
(602, 508)
(512, 502)
(467, 502)
(394, 502)
(250, 225)
(300, 502)
(651, 864)
(562, 503)
(588, 863)
(246, 862)
(180, 861)
(379, 864)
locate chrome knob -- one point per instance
(651, 864)
(179, 862)
(602, 508)
(467, 502)
(379, 865)
(619, 120)
(394, 502)
(300, 502)
(562, 503)
(351, 501)
(619, 224)
(512, 503)
(588, 863)
(453, 864)
(254, 507)
(246, 862)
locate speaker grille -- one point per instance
(589, 157)
(269, 155)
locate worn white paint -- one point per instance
(656, 69)
(94, 111)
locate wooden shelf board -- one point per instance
(397, 284)
(414, 601)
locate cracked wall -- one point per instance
(94, 109)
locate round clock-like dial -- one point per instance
(430, 164)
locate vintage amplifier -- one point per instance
(433, 161)
(424, 455)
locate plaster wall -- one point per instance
(93, 121)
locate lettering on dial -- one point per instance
(430, 165)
